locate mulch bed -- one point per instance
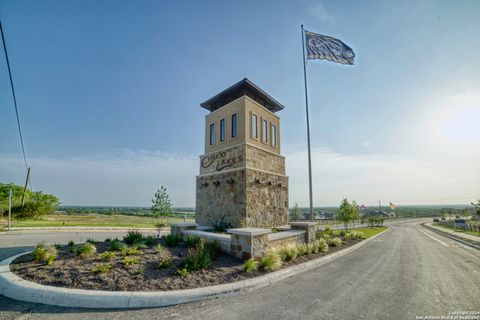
(71, 271)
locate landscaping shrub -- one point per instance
(102, 268)
(115, 245)
(45, 254)
(159, 248)
(271, 261)
(164, 263)
(171, 239)
(107, 255)
(220, 226)
(139, 244)
(302, 249)
(335, 242)
(90, 240)
(149, 240)
(192, 241)
(342, 233)
(129, 251)
(322, 246)
(133, 236)
(319, 234)
(251, 265)
(326, 237)
(86, 249)
(201, 256)
(182, 272)
(108, 240)
(57, 245)
(71, 243)
(128, 261)
(357, 235)
(327, 230)
(289, 253)
(347, 236)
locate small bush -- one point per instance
(171, 239)
(310, 249)
(149, 240)
(251, 265)
(108, 239)
(159, 248)
(133, 236)
(271, 261)
(342, 233)
(57, 245)
(192, 241)
(129, 251)
(182, 272)
(86, 249)
(90, 240)
(164, 263)
(326, 237)
(289, 253)
(115, 245)
(319, 234)
(322, 246)
(220, 226)
(139, 244)
(201, 256)
(347, 236)
(335, 242)
(71, 243)
(107, 255)
(102, 268)
(45, 254)
(302, 249)
(357, 235)
(327, 230)
(128, 261)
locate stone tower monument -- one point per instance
(242, 174)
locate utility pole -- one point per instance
(10, 209)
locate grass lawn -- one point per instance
(88, 220)
(473, 233)
(369, 232)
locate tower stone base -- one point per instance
(242, 195)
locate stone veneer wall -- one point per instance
(283, 242)
(224, 200)
(267, 199)
(262, 160)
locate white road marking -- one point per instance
(439, 241)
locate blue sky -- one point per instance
(109, 95)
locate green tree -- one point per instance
(354, 212)
(161, 207)
(294, 214)
(36, 204)
(346, 212)
(476, 209)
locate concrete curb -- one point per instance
(451, 236)
(17, 288)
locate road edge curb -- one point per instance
(448, 235)
(17, 288)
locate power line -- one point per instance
(14, 97)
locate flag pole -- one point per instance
(308, 126)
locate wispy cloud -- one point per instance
(319, 11)
(130, 177)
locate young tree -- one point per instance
(345, 212)
(354, 212)
(295, 212)
(476, 209)
(161, 207)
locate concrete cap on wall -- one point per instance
(249, 231)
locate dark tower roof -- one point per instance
(242, 88)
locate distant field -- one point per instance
(89, 220)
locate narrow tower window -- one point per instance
(212, 134)
(264, 131)
(234, 125)
(254, 126)
(274, 135)
(222, 130)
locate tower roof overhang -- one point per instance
(242, 88)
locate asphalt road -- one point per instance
(406, 273)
